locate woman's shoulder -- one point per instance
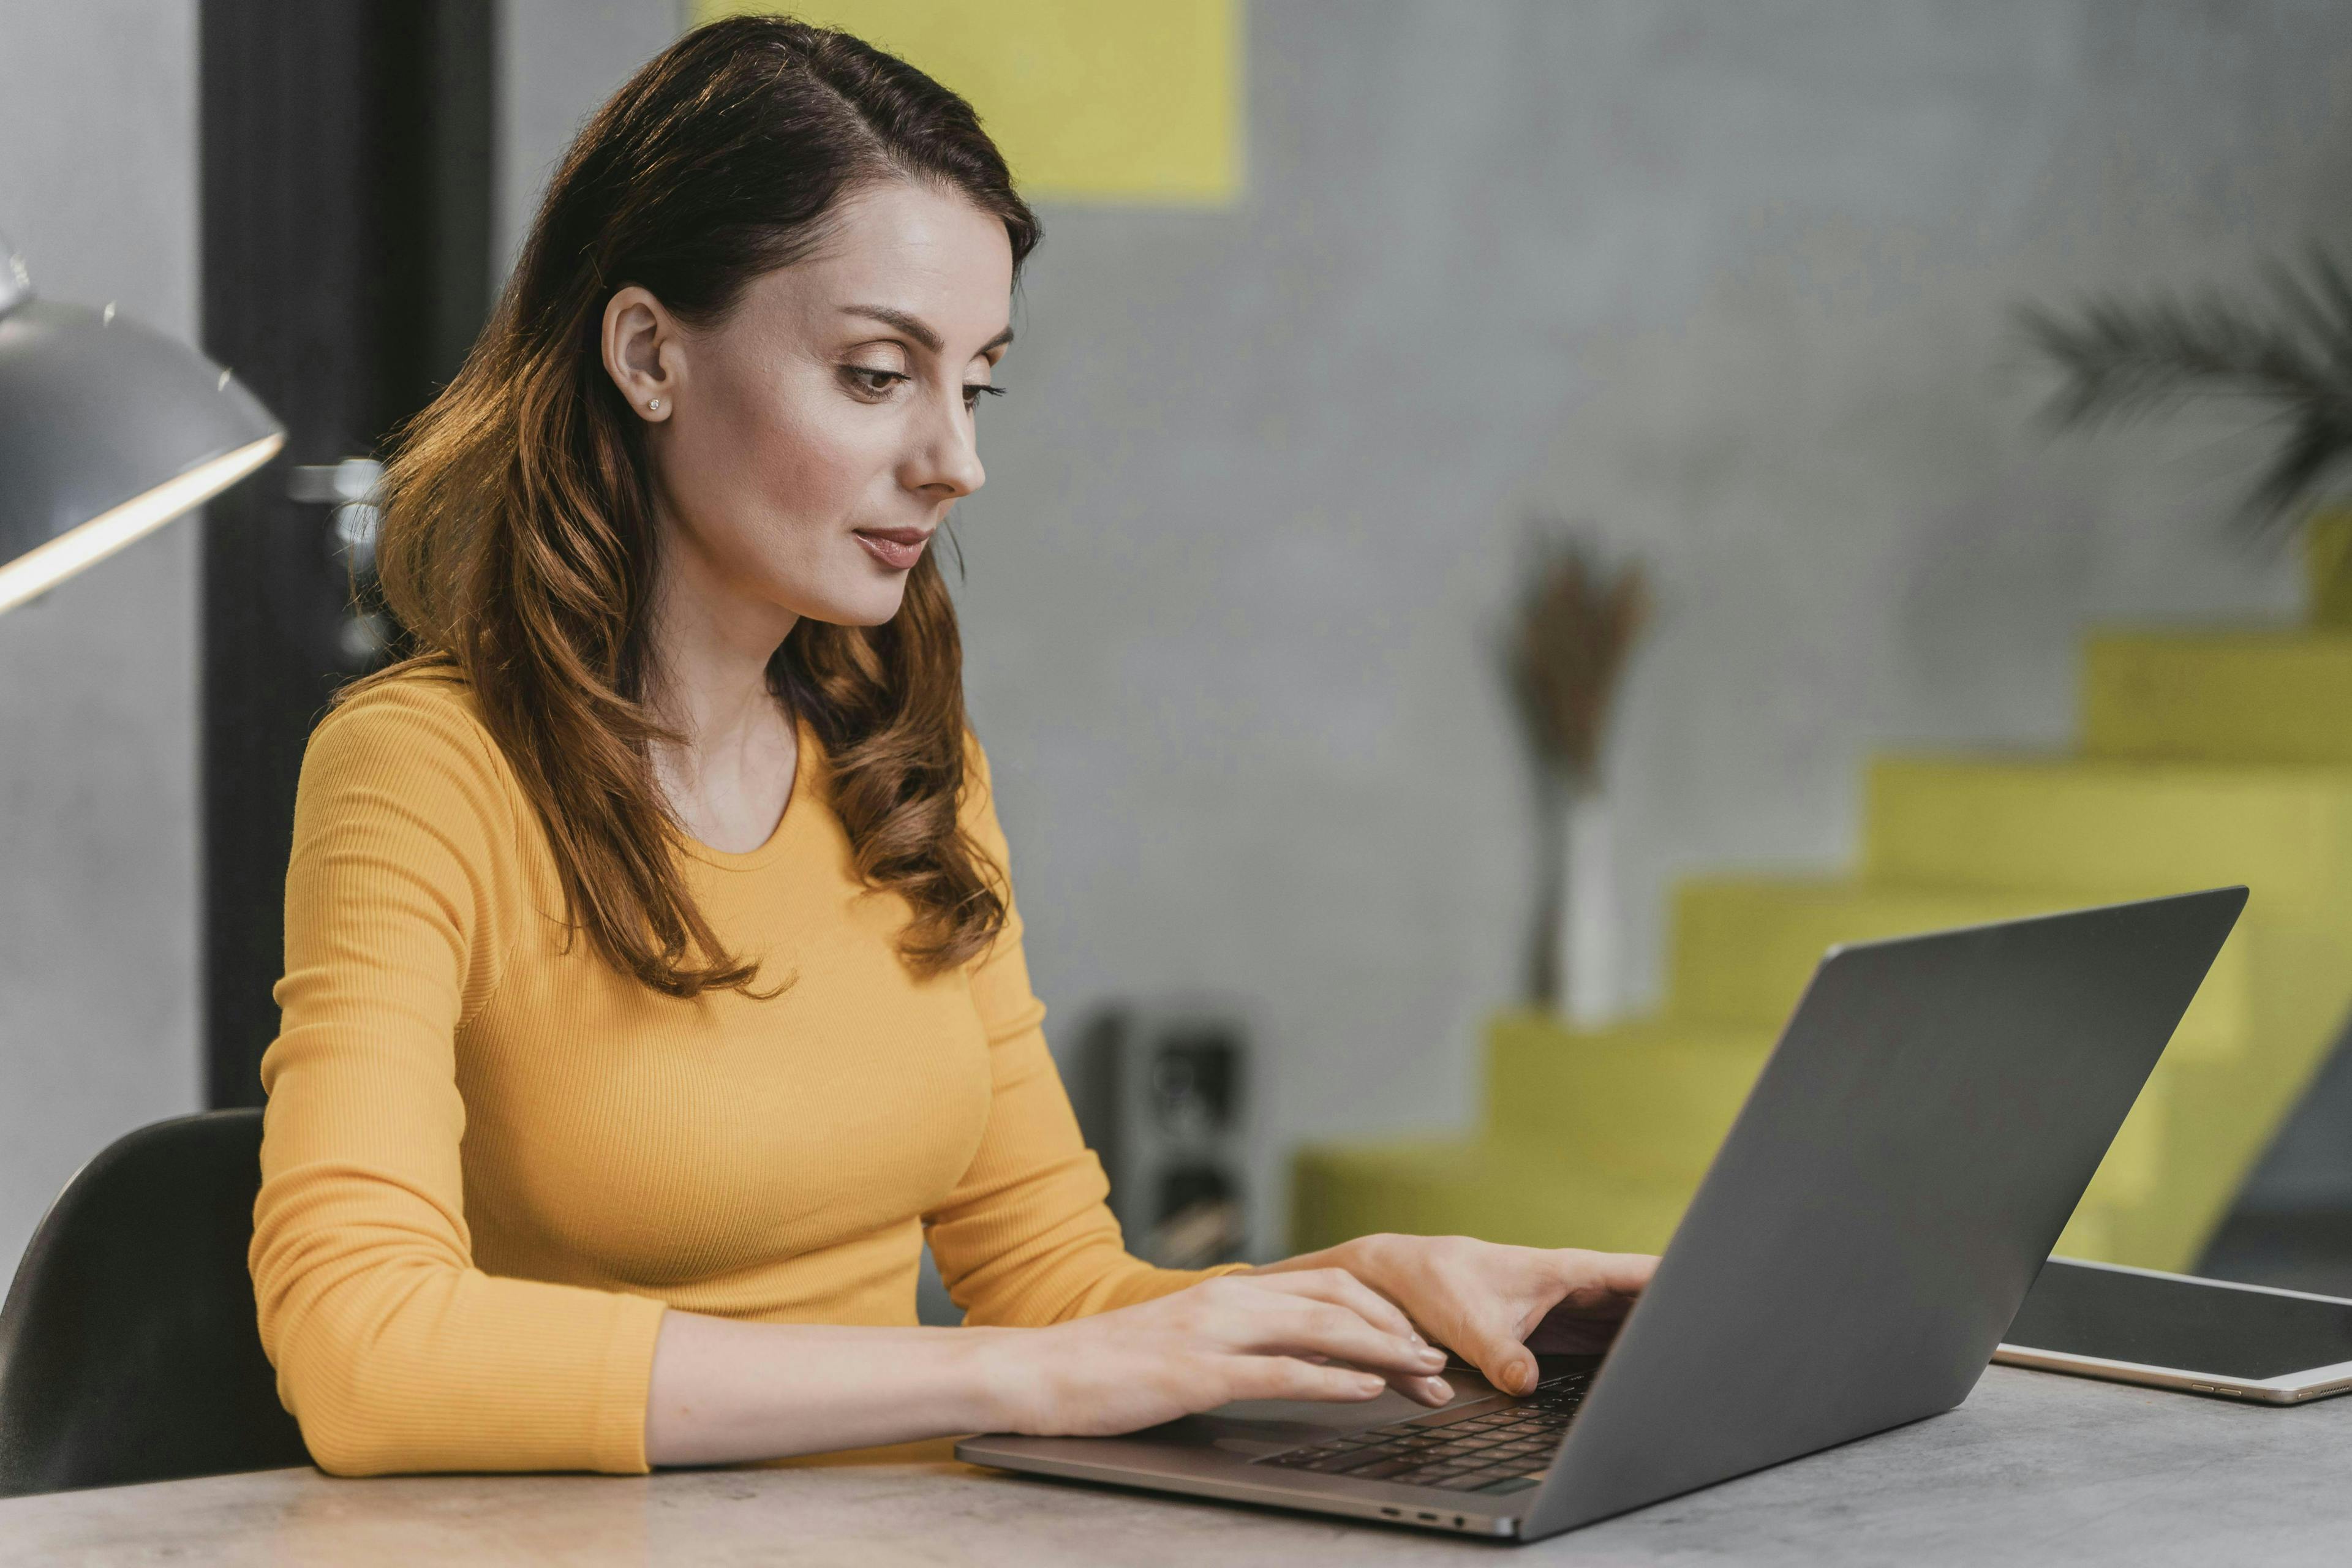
(403, 788)
(417, 722)
(417, 700)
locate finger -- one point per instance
(1498, 1354)
(1597, 1291)
(1335, 1291)
(1569, 1281)
(1299, 1326)
(1433, 1392)
(1342, 1288)
(1628, 1273)
(1288, 1377)
(1600, 1279)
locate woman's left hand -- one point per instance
(1494, 1305)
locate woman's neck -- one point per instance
(731, 776)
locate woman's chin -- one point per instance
(869, 605)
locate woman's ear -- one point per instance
(645, 353)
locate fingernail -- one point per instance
(1432, 1356)
(1440, 1390)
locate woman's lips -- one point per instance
(896, 548)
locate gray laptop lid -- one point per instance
(1903, 1166)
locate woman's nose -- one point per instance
(947, 460)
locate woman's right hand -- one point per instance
(1314, 1334)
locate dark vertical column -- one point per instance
(345, 190)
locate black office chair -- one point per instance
(127, 1346)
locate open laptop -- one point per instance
(1929, 1121)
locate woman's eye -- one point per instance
(973, 390)
(872, 381)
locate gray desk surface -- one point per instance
(2034, 1468)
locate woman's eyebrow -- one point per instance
(916, 329)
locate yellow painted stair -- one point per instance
(2207, 758)
(2220, 697)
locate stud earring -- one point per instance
(653, 406)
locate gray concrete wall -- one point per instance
(1731, 279)
(558, 59)
(98, 1013)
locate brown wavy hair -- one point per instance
(517, 545)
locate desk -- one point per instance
(2034, 1468)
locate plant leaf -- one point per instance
(2123, 359)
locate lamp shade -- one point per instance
(109, 429)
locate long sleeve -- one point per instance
(403, 898)
(1027, 1238)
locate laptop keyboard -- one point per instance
(1481, 1449)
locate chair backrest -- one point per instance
(127, 1346)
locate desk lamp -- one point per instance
(108, 430)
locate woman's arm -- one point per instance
(725, 1391)
(1323, 1326)
(393, 1350)
(1307, 1327)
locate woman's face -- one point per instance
(807, 447)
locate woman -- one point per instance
(654, 985)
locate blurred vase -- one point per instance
(1588, 926)
(2327, 567)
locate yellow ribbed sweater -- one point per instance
(489, 1163)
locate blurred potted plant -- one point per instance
(2123, 358)
(1574, 629)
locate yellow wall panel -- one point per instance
(1128, 100)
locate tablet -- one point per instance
(2174, 1331)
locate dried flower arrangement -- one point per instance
(1574, 630)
